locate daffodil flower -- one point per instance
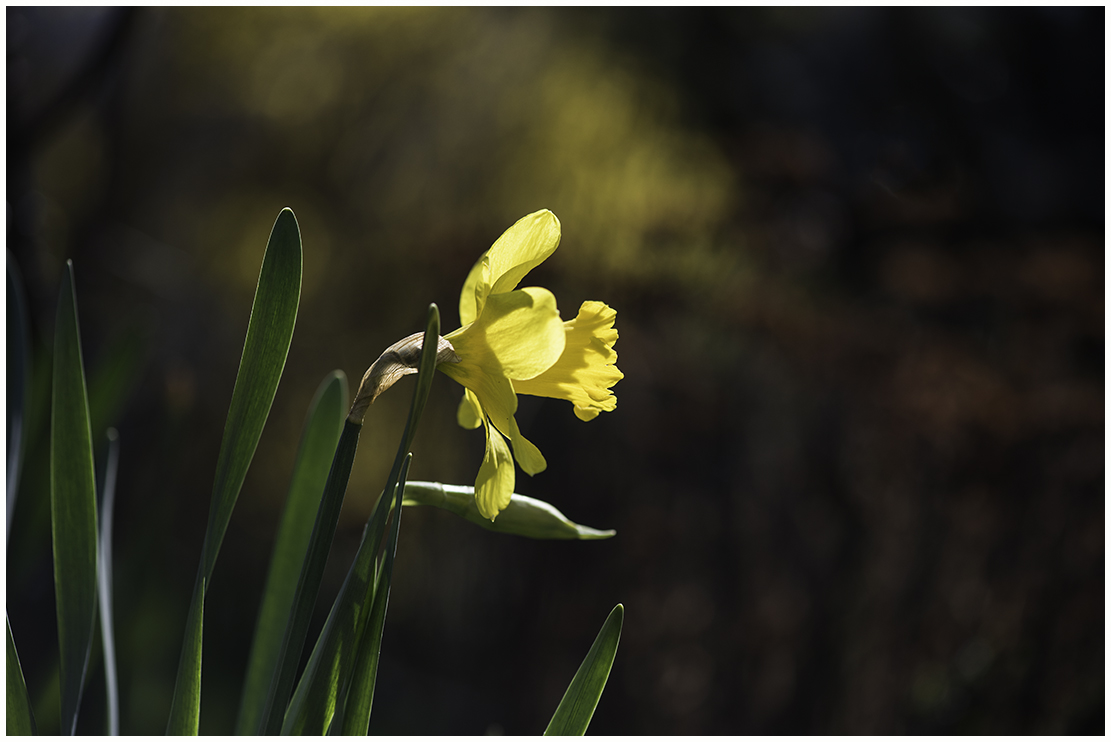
(513, 342)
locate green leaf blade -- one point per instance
(316, 698)
(360, 696)
(310, 474)
(269, 334)
(21, 719)
(308, 584)
(185, 709)
(73, 518)
(575, 711)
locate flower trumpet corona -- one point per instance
(513, 342)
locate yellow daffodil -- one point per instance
(513, 342)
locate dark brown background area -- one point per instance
(857, 464)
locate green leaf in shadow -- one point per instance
(21, 720)
(269, 332)
(360, 695)
(574, 712)
(308, 582)
(72, 505)
(314, 702)
(310, 473)
(318, 700)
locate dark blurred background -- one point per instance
(857, 464)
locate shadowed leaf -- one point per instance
(310, 473)
(360, 696)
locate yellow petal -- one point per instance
(493, 488)
(524, 331)
(495, 399)
(468, 306)
(586, 370)
(522, 247)
(518, 335)
(469, 413)
(528, 455)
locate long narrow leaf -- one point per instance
(72, 505)
(315, 700)
(360, 696)
(308, 583)
(310, 473)
(21, 720)
(320, 692)
(104, 581)
(19, 372)
(344, 681)
(269, 332)
(186, 707)
(575, 711)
